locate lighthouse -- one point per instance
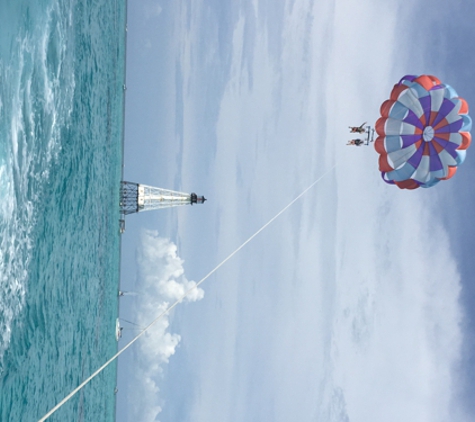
(135, 197)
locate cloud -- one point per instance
(152, 9)
(162, 281)
(396, 325)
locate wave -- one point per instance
(36, 100)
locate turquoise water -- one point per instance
(62, 72)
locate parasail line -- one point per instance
(130, 322)
(93, 375)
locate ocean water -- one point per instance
(62, 71)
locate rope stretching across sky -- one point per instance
(87, 380)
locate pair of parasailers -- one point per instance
(357, 129)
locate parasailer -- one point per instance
(357, 142)
(423, 133)
(358, 129)
(369, 132)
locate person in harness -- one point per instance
(357, 129)
(357, 142)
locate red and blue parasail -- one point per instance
(424, 131)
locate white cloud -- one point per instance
(396, 333)
(162, 282)
(152, 9)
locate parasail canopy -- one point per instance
(423, 133)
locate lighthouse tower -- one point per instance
(135, 197)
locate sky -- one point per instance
(356, 303)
